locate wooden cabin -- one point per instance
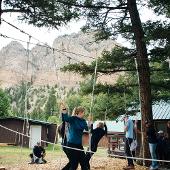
(37, 130)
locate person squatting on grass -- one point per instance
(76, 126)
(38, 154)
(96, 135)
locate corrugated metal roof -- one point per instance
(161, 111)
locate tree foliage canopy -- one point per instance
(4, 104)
(119, 61)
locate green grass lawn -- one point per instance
(10, 155)
(14, 154)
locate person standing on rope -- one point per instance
(97, 134)
(129, 130)
(76, 126)
(152, 140)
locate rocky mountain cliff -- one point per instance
(44, 63)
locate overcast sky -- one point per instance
(42, 34)
(48, 35)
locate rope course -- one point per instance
(53, 50)
(112, 155)
(66, 53)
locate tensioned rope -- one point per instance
(93, 88)
(24, 32)
(112, 155)
(108, 100)
(57, 75)
(92, 98)
(61, 95)
(26, 122)
(26, 87)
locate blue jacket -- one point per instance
(75, 128)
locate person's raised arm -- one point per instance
(64, 113)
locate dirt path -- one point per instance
(98, 163)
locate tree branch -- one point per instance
(13, 10)
(121, 6)
(122, 70)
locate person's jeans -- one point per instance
(152, 149)
(128, 152)
(76, 157)
(87, 158)
(67, 166)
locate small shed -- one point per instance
(35, 130)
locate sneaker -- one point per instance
(129, 167)
(31, 162)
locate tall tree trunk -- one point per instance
(143, 71)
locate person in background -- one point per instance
(38, 154)
(129, 130)
(96, 135)
(152, 140)
(76, 126)
(134, 143)
(161, 146)
(167, 145)
(168, 129)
